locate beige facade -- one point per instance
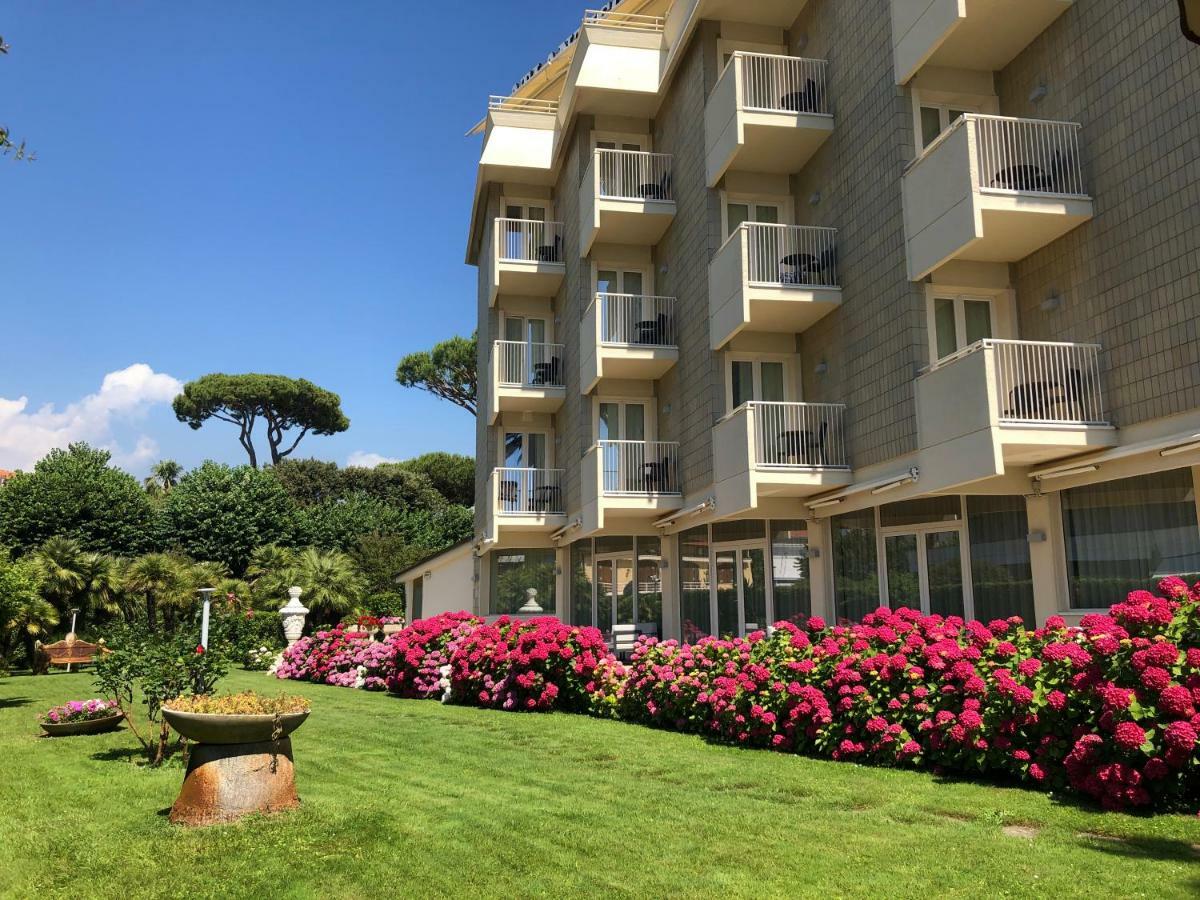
(792, 306)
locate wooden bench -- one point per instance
(67, 653)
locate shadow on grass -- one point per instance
(10, 702)
(1146, 849)
(120, 754)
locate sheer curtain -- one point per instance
(1001, 578)
(1124, 535)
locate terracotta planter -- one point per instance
(85, 726)
(213, 728)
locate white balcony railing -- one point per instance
(799, 435)
(632, 21)
(1028, 156)
(530, 240)
(783, 83)
(522, 364)
(640, 467)
(522, 104)
(529, 491)
(634, 175)
(1043, 383)
(636, 320)
(790, 254)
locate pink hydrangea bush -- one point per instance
(526, 664)
(1108, 708)
(80, 711)
(339, 658)
(420, 653)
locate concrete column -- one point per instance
(1043, 557)
(670, 586)
(820, 568)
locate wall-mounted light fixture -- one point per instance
(1052, 302)
(1039, 91)
(814, 198)
(822, 367)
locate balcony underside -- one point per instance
(529, 522)
(616, 71)
(632, 363)
(640, 222)
(605, 511)
(747, 489)
(1027, 445)
(527, 279)
(995, 228)
(775, 142)
(987, 37)
(527, 399)
(789, 309)
(781, 13)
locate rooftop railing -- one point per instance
(522, 104)
(631, 21)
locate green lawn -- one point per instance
(416, 799)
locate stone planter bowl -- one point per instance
(214, 728)
(84, 726)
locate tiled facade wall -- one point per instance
(873, 345)
(488, 329)
(1130, 278)
(691, 395)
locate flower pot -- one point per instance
(394, 628)
(214, 728)
(83, 726)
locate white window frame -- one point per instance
(944, 101)
(646, 270)
(1001, 312)
(651, 416)
(644, 141)
(525, 203)
(791, 389)
(525, 433)
(783, 203)
(547, 318)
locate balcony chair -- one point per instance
(547, 498)
(803, 447)
(1037, 400)
(508, 493)
(1033, 178)
(658, 476)
(660, 191)
(653, 331)
(551, 253)
(547, 373)
(807, 100)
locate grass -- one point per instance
(412, 798)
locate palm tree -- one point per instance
(332, 582)
(161, 580)
(271, 572)
(164, 475)
(60, 567)
(101, 589)
(24, 612)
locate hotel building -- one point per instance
(805, 306)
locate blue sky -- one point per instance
(269, 186)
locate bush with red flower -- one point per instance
(420, 652)
(338, 657)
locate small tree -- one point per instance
(164, 475)
(446, 371)
(290, 408)
(452, 474)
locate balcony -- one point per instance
(518, 140)
(626, 336)
(766, 114)
(526, 377)
(975, 34)
(626, 198)
(779, 450)
(992, 189)
(1001, 403)
(526, 499)
(630, 479)
(772, 278)
(527, 258)
(618, 64)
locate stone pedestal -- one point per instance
(227, 781)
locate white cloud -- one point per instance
(125, 396)
(367, 460)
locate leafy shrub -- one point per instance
(335, 657)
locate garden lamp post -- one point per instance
(71, 633)
(206, 596)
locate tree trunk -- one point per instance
(151, 613)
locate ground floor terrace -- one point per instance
(427, 800)
(1068, 539)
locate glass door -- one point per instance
(924, 570)
(740, 589)
(614, 595)
(624, 426)
(521, 241)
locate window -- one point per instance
(1001, 578)
(958, 322)
(1124, 535)
(855, 571)
(621, 420)
(935, 119)
(694, 582)
(515, 573)
(649, 585)
(525, 330)
(758, 379)
(620, 281)
(581, 583)
(922, 511)
(525, 450)
(789, 570)
(739, 211)
(418, 598)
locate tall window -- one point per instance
(694, 581)
(959, 322)
(739, 211)
(936, 119)
(855, 570)
(754, 379)
(1124, 535)
(789, 570)
(1001, 578)
(515, 572)
(581, 583)
(649, 583)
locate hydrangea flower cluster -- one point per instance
(80, 711)
(338, 658)
(421, 650)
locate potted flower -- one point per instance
(81, 717)
(391, 625)
(244, 718)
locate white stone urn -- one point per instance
(531, 602)
(293, 616)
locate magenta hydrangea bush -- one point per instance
(337, 658)
(421, 651)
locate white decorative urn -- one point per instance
(531, 603)
(293, 616)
